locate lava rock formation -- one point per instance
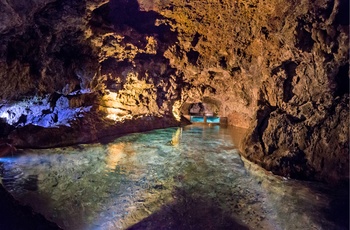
(278, 68)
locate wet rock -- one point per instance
(88, 129)
(310, 147)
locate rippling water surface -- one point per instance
(175, 178)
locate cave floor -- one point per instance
(175, 178)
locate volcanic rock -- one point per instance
(279, 68)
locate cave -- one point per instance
(175, 114)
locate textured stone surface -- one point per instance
(277, 67)
(280, 67)
(88, 129)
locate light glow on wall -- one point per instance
(177, 110)
(112, 107)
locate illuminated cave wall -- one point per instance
(277, 67)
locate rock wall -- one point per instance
(63, 60)
(281, 68)
(277, 67)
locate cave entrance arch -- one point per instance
(206, 111)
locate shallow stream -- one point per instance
(175, 178)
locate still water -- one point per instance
(175, 178)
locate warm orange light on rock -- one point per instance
(137, 98)
(113, 108)
(177, 110)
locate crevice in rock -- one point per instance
(294, 165)
(265, 32)
(260, 131)
(342, 17)
(235, 69)
(208, 88)
(53, 99)
(294, 120)
(212, 75)
(195, 39)
(69, 53)
(303, 38)
(342, 80)
(263, 116)
(289, 67)
(192, 56)
(223, 62)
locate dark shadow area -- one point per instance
(290, 68)
(189, 213)
(123, 15)
(304, 39)
(342, 17)
(192, 56)
(5, 128)
(342, 80)
(338, 210)
(14, 216)
(128, 13)
(195, 40)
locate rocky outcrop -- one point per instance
(301, 128)
(89, 129)
(70, 59)
(277, 67)
(280, 67)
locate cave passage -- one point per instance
(174, 178)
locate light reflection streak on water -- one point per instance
(117, 185)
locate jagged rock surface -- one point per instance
(278, 67)
(281, 67)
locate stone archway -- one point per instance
(206, 107)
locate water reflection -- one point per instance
(115, 152)
(190, 178)
(176, 137)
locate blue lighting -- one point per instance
(196, 119)
(213, 119)
(38, 111)
(7, 159)
(203, 119)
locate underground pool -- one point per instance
(175, 178)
